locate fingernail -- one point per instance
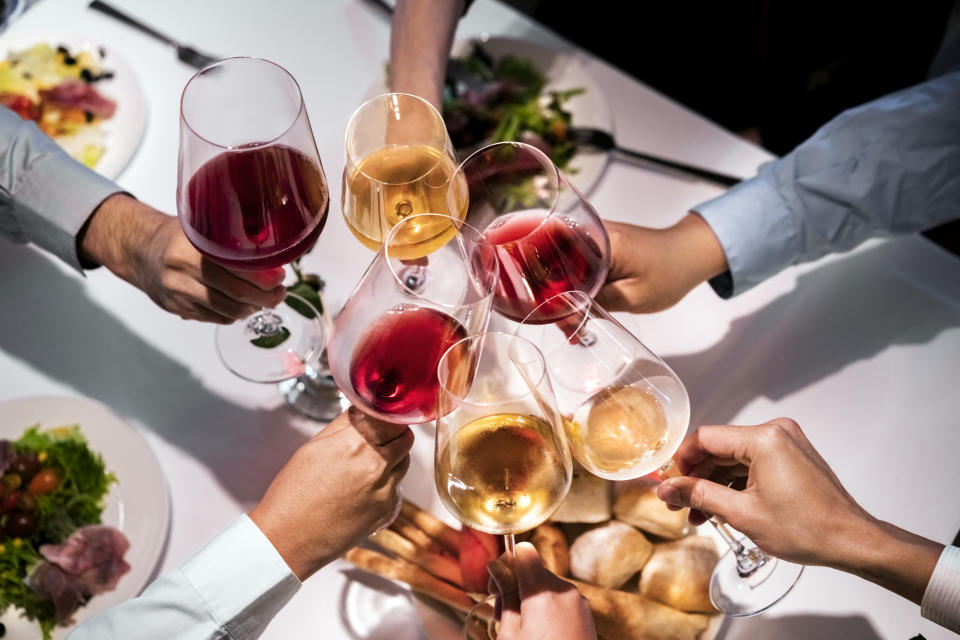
(669, 494)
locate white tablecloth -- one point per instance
(862, 349)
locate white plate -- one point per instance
(564, 70)
(138, 505)
(124, 130)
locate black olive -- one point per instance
(88, 116)
(3, 630)
(62, 49)
(87, 75)
(21, 524)
(26, 465)
(106, 75)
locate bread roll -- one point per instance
(678, 573)
(609, 554)
(588, 499)
(637, 504)
(552, 546)
(628, 616)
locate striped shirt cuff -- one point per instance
(941, 600)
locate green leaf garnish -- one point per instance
(272, 340)
(309, 294)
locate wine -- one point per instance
(540, 256)
(255, 208)
(394, 363)
(503, 473)
(392, 183)
(620, 430)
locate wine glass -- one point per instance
(251, 195)
(399, 162)
(548, 237)
(389, 337)
(501, 462)
(628, 415)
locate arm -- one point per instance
(779, 464)
(337, 489)
(890, 166)
(420, 38)
(60, 205)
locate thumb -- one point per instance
(704, 495)
(266, 279)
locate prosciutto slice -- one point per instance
(88, 562)
(77, 94)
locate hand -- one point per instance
(652, 269)
(148, 249)
(793, 506)
(533, 603)
(337, 489)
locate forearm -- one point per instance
(892, 558)
(420, 37)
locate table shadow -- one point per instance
(798, 627)
(51, 324)
(842, 313)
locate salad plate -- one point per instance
(564, 70)
(138, 504)
(120, 134)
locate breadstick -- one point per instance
(438, 530)
(439, 565)
(413, 533)
(552, 546)
(418, 579)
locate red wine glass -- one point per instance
(548, 238)
(388, 338)
(252, 195)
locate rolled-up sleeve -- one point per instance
(231, 588)
(888, 167)
(45, 195)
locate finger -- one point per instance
(265, 280)
(397, 449)
(532, 576)
(615, 296)
(199, 313)
(216, 301)
(508, 595)
(718, 442)
(400, 468)
(697, 517)
(230, 284)
(376, 432)
(705, 496)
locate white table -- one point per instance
(862, 349)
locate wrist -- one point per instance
(695, 243)
(890, 557)
(301, 552)
(119, 229)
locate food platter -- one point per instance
(138, 505)
(121, 132)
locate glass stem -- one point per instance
(748, 560)
(510, 544)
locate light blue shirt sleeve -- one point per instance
(887, 167)
(231, 588)
(45, 195)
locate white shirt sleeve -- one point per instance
(941, 600)
(887, 167)
(231, 588)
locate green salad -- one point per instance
(52, 484)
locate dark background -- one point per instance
(772, 70)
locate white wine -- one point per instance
(619, 429)
(393, 183)
(503, 473)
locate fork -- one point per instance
(186, 54)
(596, 138)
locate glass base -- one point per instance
(272, 344)
(739, 596)
(315, 395)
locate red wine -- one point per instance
(540, 257)
(394, 363)
(255, 208)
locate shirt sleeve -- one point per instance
(890, 166)
(941, 600)
(231, 588)
(45, 195)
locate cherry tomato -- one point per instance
(10, 501)
(21, 524)
(46, 481)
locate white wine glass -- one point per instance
(628, 413)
